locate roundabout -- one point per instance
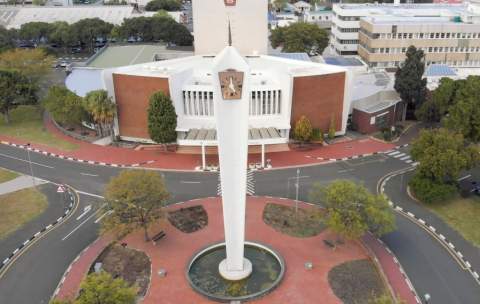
(178, 252)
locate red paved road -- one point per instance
(176, 161)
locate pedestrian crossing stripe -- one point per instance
(250, 184)
(400, 155)
(393, 153)
(405, 157)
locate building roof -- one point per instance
(15, 16)
(295, 56)
(377, 102)
(342, 61)
(368, 84)
(439, 70)
(123, 55)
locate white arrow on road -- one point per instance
(85, 211)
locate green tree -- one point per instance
(168, 5)
(303, 129)
(34, 64)
(438, 103)
(101, 288)
(300, 37)
(36, 31)
(156, 28)
(102, 109)
(136, 198)
(464, 113)
(7, 38)
(39, 2)
(280, 4)
(409, 81)
(15, 90)
(162, 14)
(162, 119)
(62, 34)
(89, 29)
(442, 154)
(65, 106)
(352, 210)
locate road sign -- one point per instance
(60, 189)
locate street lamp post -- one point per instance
(297, 185)
(30, 164)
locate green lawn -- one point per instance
(26, 124)
(19, 208)
(6, 175)
(463, 215)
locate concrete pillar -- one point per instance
(263, 155)
(204, 165)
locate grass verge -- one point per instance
(6, 175)
(306, 223)
(462, 214)
(18, 208)
(26, 124)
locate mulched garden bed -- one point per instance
(306, 223)
(189, 219)
(131, 265)
(356, 282)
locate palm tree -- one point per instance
(102, 109)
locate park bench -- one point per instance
(157, 237)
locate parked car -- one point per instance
(63, 64)
(76, 50)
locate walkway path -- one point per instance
(177, 161)
(298, 285)
(19, 183)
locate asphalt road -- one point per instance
(428, 264)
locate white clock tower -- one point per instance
(231, 78)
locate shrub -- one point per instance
(429, 191)
(331, 129)
(317, 134)
(303, 129)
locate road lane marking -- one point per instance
(405, 157)
(26, 161)
(85, 211)
(88, 174)
(393, 153)
(103, 215)
(90, 194)
(465, 177)
(189, 182)
(346, 170)
(81, 224)
(399, 155)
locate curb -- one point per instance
(447, 244)
(91, 162)
(395, 260)
(40, 233)
(196, 169)
(357, 156)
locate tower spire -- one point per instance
(229, 34)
